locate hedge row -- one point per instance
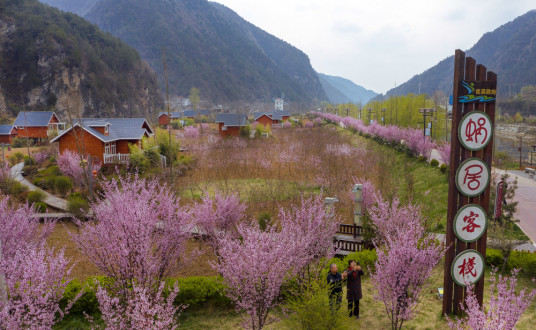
(195, 292)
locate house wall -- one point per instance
(121, 147)
(33, 132)
(231, 131)
(285, 118)
(163, 120)
(265, 121)
(6, 139)
(90, 144)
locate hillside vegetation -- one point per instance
(47, 55)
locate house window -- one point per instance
(106, 129)
(109, 148)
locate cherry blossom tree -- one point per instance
(503, 310)
(444, 153)
(35, 280)
(312, 227)
(406, 258)
(142, 309)
(69, 164)
(191, 132)
(35, 275)
(136, 234)
(254, 268)
(5, 172)
(218, 218)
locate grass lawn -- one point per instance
(251, 190)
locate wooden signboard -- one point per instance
(473, 120)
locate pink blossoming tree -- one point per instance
(35, 275)
(218, 218)
(254, 268)
(406, 258)
(137, 233)
(70, 165)
(503, 310)
(142, 309)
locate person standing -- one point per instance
(335, 287)
(353, 286)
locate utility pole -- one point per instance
(164, 61)
(520, 150)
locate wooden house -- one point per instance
(229, 124)
(264, 119)
(191, 114)
(37, 124)
(7, 133)
(164, 117)
(106, 138)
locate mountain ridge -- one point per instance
(509, 51)
(208, 46)
(342, 90)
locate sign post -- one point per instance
(473, 119)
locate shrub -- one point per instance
(49, 182)
(50, 171)
(30, 170)
(197, 291)
(264, 220)
(63, 184)
(36, 196)
(434, 163)
(19, 143)
(366, 259)
(29, 161)
(245, 131)
(186, 160)
(443, 168)
(175, 124)
(526, 261)
(16, 158)
(16, 188)
(77, 205)
(40, 207)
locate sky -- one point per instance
(382, 42)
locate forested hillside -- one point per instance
(50, 59)
(341, 90)
(208, 46)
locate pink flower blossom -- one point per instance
(70, 164)
(503, 310)
(141, 310)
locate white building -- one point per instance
(279, 104)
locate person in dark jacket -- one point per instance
(335, 283)
(353, 286)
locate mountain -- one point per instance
(79, 7)
(51, 59)
(341, 90)
(509, 51)
(207, 46)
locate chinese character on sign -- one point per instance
(472, 176)
(470, 220)
(468, 267)
(474, 130)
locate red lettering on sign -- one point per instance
(470, 220)
(468, 267)
(471, 177)
(474, 130)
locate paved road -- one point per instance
(50, 200)
(526, 209)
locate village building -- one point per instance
(164, 117)
(263, 118)
(107, 139)
(7, 133)
(229, 124)
(37, 124)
